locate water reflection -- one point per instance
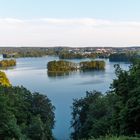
(59, 74)
(8, 68)
(70, 73)
(91, 72)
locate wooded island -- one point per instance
(63, 66)
(7, 63)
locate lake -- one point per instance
(32, 74)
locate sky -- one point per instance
(75, 23)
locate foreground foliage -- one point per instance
(4, 80)
(116, 138)
(116, 113)
(25, 115)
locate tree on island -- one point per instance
(61, 66)
(7, 63)
(66, 66)
(92, 65)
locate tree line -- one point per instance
(114, 113)
(123, 57)
(24, 115)
(72, 55)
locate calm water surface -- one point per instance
(32, 74)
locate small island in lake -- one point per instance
(61, 66)
(7, 63)
(66, 66)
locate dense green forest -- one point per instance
(122, 57)
(66, 55)
(66, 66)
(16, 52)
(25, 52)
(115, 113)
(24, 115)
(7, 63)
(116, 138)
(115, 54)
(72, 55)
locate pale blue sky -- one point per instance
(111, 18)
(102, 9)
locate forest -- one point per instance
(24, 52)
(114, 54)
(72, 55)
(123, 57)
(24, 115)
(116, 113)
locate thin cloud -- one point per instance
(10, 20)
(68, 32)
(81, 21)
(69, 22)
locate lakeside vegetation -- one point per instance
(10, 52)
(7, 63)
(24, 115)
(66, 66)
(4, 80)
(122, 57)
(114, 54)
(71, 55)
(114, 113)
(116, 138)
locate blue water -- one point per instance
(32, 74)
